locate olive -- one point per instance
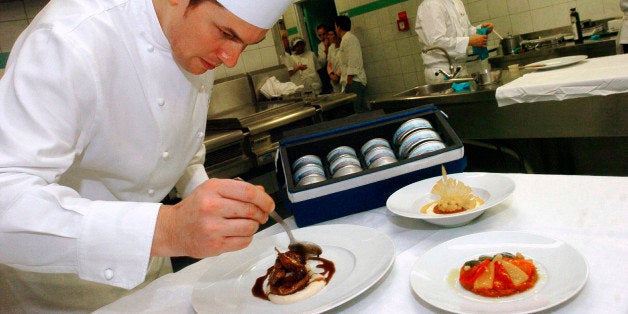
(483, 257)
(471, 263)
(507, 255)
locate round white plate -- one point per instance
(562, 273)
(361, 255)
(490, 187)
(557, 62)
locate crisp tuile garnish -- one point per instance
(455, 196)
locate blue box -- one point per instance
(370, 188)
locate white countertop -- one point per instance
(589, 213)
(591, 77)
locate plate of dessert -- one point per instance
(266, 277)
(451, 200)
(499, 272)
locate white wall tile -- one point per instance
(521, 23)
(478, 11)
(9, 32)
(518, 6)
(497, 8)
(12, 11)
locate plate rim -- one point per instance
(384, 264)
(477, 210)
(577, 58)
(571, 294)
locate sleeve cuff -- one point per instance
(114, 247)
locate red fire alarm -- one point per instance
(402, 21)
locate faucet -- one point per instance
(452, 71)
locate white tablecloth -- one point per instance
(590, 213)
(591, 77)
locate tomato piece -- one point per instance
(468, 277)
(502, 279)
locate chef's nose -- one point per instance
(230, 52)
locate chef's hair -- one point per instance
(343, 22)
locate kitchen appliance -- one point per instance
(510, 44)
(542, 42)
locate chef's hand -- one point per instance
(490, 27)
(220, 215)
(477, 40)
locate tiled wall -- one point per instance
(392, 58)
(16, 14)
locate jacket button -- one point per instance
(108, 274)
(200, 134)
(151, 192)
(150, 48)
(161, 102)
(165, 155)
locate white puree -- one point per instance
(316, 284)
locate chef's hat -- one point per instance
(296, 40)
(263, 15)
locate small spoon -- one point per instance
(296, 246)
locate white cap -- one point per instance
(263, 14)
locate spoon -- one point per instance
(296, 246)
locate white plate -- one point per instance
(558, 62)
(490, 187)
(562, 273)
(362, 256)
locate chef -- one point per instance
(445, 24)
(104, 105)
(622, 36)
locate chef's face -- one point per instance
(205, 35)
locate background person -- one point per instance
(303, 66)
(104, 105)
(622, 36)
(322, 57)
(445, 24)
(353, 76)
(333, 63)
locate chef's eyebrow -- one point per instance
(235, 36)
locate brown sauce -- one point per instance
(326, 265)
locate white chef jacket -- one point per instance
(322, 56)
(623, 31)
(308, 77)
(351, 62)
(333, 57)
(98, 123)
(445, 24)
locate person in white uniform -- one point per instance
(445, 24)
(333, 63)
(104, 105)
(303, 66)
(353, 75)
(622, 36)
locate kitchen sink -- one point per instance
(436, 89)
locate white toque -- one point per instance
(263, 14)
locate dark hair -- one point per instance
(343, 22)
(323, 26)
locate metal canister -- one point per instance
(377, 153)
(308, 170)
(339, 151)
(304, 160)
(343, 161)
(426, 147)
(311, 179)
(415, 138)
(346, 170)
(373, 143)
(409, 126)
